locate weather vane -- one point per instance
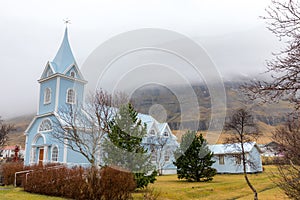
(67, 21)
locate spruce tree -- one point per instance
(194, 159)
(123, 146)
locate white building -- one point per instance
(228, 158)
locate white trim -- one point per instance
(48, 119)
(48, 65)
(63, 76)
(65, 150)
(76, 67)
(36, 137)
(51, 154)
(57, 94)
(67, 95)
(35, 117)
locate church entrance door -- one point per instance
(41, 156)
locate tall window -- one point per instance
(221, 160)
(55, 154)
(71, 96)
(45, 125)
(238, 159)
(47, 96)
(167, 158)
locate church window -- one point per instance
(48, 73)
(33, 155)
(54, 154)
(166, 134)
(72, 74)
(71, 96)
(45, 125)
(47, 96)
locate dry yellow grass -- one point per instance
(223, 186)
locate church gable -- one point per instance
(48, 71)
(73, 72)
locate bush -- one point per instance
(79, 183)
(9, 170)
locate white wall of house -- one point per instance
(229, 161)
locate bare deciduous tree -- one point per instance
(82, 127)
(4, 130)
(242, 129)
(283, 19)
(159, 149)
(288, 174)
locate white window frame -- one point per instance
(67, 96)
(221, 159)
(53, 147)
(167, 158)
(152, 132)
(74, 74)
(33, 155)
(47, 95)
(166, 134)
(42, 129)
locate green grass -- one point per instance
(223, 186)
(12, 193)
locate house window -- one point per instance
(54, 154)
(221, 160)
(238, 159)
(45, 125)
(71, 96)
(152, 132)
(72, 74)
(153, 158)
(167, 158)
(166, 134)
(47, 96)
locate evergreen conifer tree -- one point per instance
(194, 159)
(123, 146)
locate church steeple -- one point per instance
(64, 57)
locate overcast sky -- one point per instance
(31, 32)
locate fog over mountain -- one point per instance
(229, 31)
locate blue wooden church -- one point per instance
(61, 85)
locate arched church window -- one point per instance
(47, 96)
(72, 74)
(71, 96)
(54, 154)
(46, 125)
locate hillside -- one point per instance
(268, 116)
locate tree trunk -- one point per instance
(245, 174)
(251, 186)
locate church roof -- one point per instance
(64, 57)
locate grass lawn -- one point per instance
(223, 186)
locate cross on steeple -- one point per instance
(67, 21)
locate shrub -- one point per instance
(79, 183)
(9, 170)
